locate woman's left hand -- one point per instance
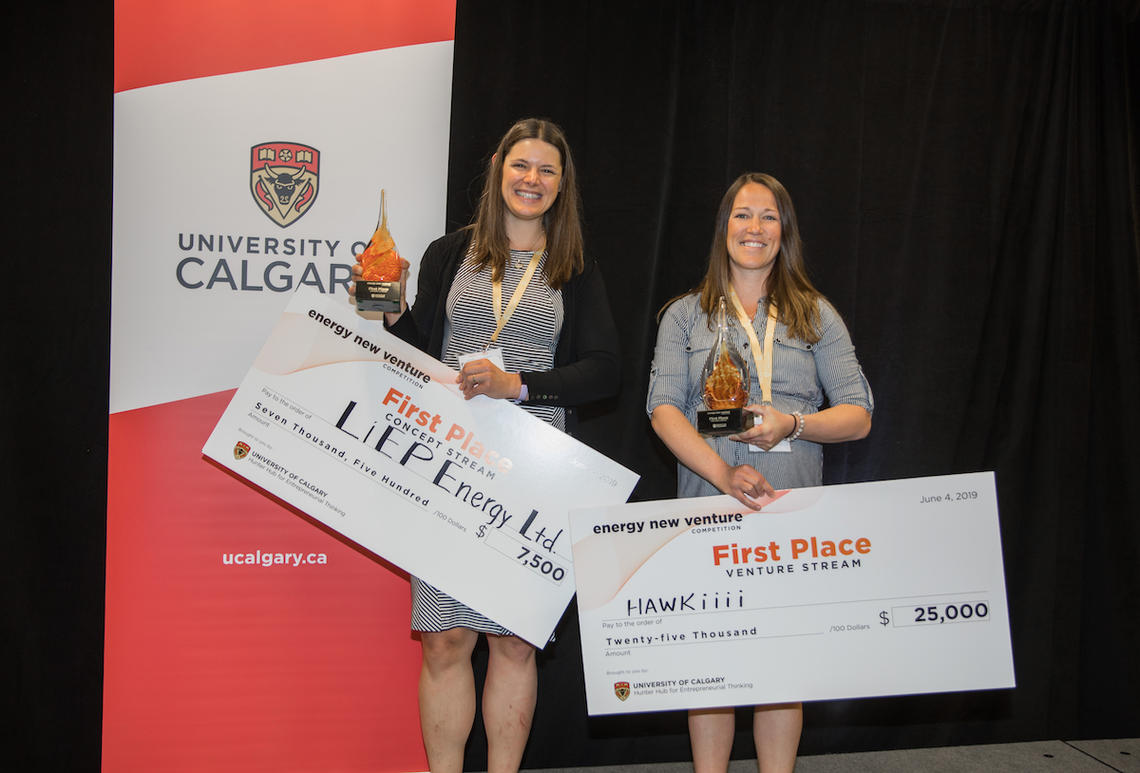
(770, 427)
(483, 377)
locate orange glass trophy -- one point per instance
(725, 379)
(378, 288)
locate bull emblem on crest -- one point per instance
(284, 178)
(621, 690)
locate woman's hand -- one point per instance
(390, 317)
(770, 427)
(746, 484)
(483, 377)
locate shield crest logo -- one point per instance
(241, 450)
(621, 690)
(284, 178)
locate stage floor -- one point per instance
(1121, 755)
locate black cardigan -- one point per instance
(586, 364)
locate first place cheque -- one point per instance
(372, 437)
(858, 590)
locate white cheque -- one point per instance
(848, 591)
(372, 437)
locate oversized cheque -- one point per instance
(371, 437)
(832, 592)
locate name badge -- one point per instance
(783, 447)
(492, 353)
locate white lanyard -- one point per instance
(761, 356)
(501, 316)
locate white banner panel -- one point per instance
(373, 438)
(848, 591)
(202, 265)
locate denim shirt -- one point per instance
(804, 377)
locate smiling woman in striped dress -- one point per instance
(559, 350)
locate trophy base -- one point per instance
(727, 421)
(377, 296)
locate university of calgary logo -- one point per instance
(621, 690)
(241, 449)
(284, 177)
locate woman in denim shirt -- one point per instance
(756, 254)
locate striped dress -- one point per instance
(528, 342)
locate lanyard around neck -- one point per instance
(501, 316)
(761, 356)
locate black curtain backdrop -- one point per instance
(965, 174)
(54, 355)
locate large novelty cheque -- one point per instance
(371, 437)
(849, 591)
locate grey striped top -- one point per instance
(803, 376)
(531, 335)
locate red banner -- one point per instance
(240, 634)
(161, 42)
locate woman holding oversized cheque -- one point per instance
(798, 354)
(512, 303)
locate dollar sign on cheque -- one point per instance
(884, 618)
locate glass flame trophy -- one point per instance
(725, 379)
(378, 288)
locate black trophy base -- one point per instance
(727, 421)
(378, 296)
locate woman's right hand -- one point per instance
(746, 484)
(389, 317)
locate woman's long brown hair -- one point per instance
(562, 222)
(788, 285)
